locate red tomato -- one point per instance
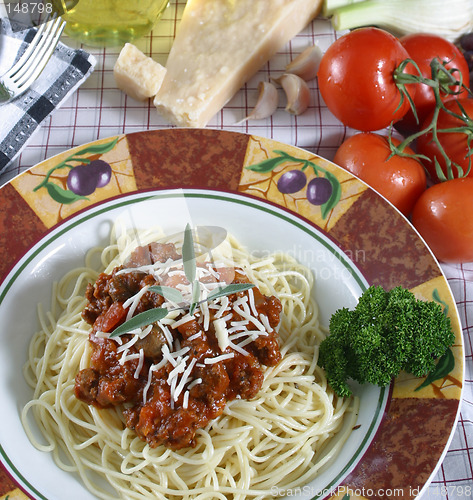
(356, 79)
(442, 215)
(423, 48)
(401, 180)
(455, 144)
(111, 318)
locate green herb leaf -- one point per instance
(188, 255)
(169, 293)
(229, 289)
(195, 296)
(444, 366)
(142, 319)
(61, 195)
(334, 197)
(436, 297)
(96, 148)
(265, 166)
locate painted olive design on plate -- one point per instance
(86, 178)
(324, 190)
(292, 181)
(319, 191)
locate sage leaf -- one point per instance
(169, 293)
(195, 296)
(142, 319)
(229, 289)
(188, 255)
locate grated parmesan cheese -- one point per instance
(141, 362)
(167, 334)
(102, 335)
(132, 303)
(251, 338)
(264, 319)
(180, 367)
(185, 319)
(184, 379)
(204, 308)
(152, 369)
(251, 295)
(185, 401)
(246, 328)
(217, 359)
(223, 308)
(236, 347)
(167, 355)
(195, 336)
(195, 382)
(180, 352)
(221, 333)
(128, 344)
(246, 313)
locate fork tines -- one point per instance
(29, 66)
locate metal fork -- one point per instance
(26, 70)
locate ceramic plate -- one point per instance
(345, 232)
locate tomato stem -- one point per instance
(442, 81)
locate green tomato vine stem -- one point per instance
(442, 80)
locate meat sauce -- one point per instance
(174, 379)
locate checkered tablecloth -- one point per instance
(98, 110)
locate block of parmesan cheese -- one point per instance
(136, 74)
(221, 44)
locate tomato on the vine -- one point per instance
(442, 215)
(455, 144)
(400, 179)
(423, 48)
(357, 79)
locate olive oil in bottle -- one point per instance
(109, 22)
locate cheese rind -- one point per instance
(136, 74)
(219, 46)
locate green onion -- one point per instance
(449, 19)
(331, 5)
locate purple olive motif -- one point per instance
(319, 191)
(86, 178)
(81, 180)
(102, 170)
(292, 181)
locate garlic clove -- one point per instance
(297, 93)
(267, 103)
(306, 64)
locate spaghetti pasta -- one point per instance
(284, 437)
